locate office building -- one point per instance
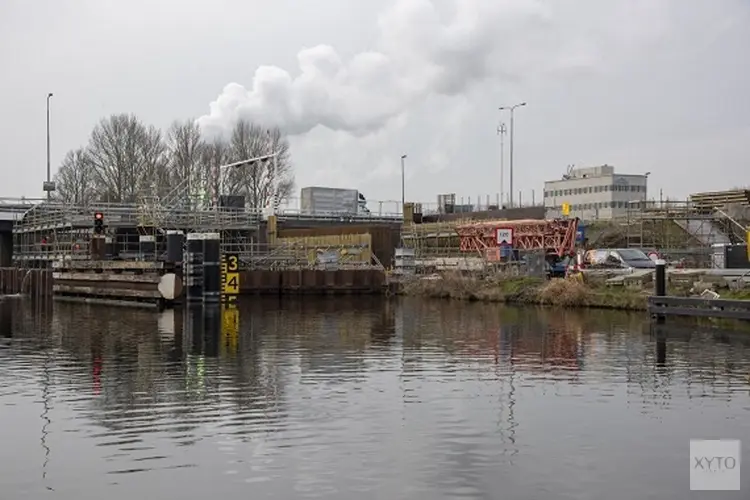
(595, 193)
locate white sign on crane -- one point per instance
(504, 236)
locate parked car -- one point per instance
(618, 258)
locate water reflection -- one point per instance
(359, 397)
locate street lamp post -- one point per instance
(512, 109)
(403, 184)
(47, 185)
(501, 131)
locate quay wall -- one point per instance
(37, 282)
(315, 282)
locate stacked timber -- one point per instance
(140, 282)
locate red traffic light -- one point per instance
(98, 216)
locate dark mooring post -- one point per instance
(175, 243)
(109, 247)
(98, 247)
(660, 284)
(212, 268)
(193, 267)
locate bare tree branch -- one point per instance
(262, 182)
(74, 179)
(126, 160)
(153, 167)
(186, 155)
(214, 155)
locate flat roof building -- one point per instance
(594, 193)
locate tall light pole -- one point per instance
(403, 184)
(501, 130)
(512, 109)
(47, 186)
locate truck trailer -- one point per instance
(316, 200)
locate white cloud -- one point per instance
(418, 54)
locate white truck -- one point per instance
(316, 200)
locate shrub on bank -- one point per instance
(555, 292)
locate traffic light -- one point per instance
(98, 223)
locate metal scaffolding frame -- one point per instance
(680, 230)
(56, 231)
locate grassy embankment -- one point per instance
(556, 292)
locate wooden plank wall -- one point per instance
(384, 238)
(360, 244)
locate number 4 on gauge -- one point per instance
(232, 284)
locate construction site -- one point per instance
(469, 241)
(278, 251)
(290, 251)
(693, 233)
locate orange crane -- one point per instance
(557, 237)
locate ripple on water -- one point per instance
(402, 399)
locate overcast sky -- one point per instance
(645, 85)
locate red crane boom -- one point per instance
(555, 237)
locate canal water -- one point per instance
(361, 399)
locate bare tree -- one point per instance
(126, 158)
(260, 182)
(74, 179)
(154, 167)
(186, 155)
(214, 155)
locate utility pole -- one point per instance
(501, 131)
(403, 184)
(47, 185)
(511, 109)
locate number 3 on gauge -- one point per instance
(233, 263)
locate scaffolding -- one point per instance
(299, 256)
(432, 240)
(679, 230)
(53, 231)
(49, 232)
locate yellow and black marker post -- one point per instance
(230, 278)
(230, 316)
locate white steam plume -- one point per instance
(417, 55)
